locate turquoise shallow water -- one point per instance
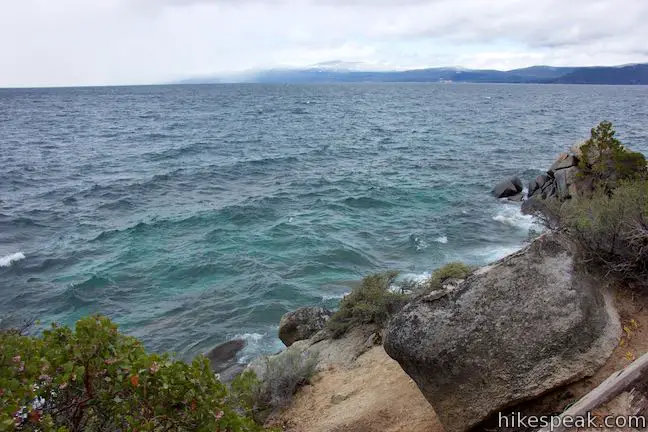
(194, 214)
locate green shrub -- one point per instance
(283, 375)
(93, 378)
(244, 391)
(372, 302)
(612, 228)
(606, 161)
(453, 270)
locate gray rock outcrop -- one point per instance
(302, 324)
(510, 332)
(559, 182)
(537, 183)
(320, 350)
(565, 181)
(564, 161)
(507, 188)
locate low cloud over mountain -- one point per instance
(145, 41)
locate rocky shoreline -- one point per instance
(499, 340)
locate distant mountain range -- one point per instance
(636, 74)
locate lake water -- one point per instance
(194, 214)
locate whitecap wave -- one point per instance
(441, 239)
(257, 344)
(7, 260)
(419, 243)
(494, 253)
(512, 216)
(251, 337)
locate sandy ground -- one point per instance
(633, 312)
(374, 395)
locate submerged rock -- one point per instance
(509, 333)
(516, 198)
(302, 324)
(223, 356)
(507, 188)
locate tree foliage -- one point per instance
(605, 160)
(92, 378)
(612, 229)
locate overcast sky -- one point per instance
(87, 42)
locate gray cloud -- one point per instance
(138, 41)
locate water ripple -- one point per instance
(195, 214)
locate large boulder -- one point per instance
(509, 187)
(302, 324)
(510, 332)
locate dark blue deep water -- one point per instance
(194, 214)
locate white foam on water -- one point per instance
(494, 253)
(416, 277)
(335, 296)
(441, 239)
(7, 260)
(257, 344)
(512, 216)
(419, 243)
(251, 337)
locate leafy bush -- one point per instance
(93, 378)
(453, 270)
(605, 160)
(612, 229)
(372, 302)
(608, 219)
